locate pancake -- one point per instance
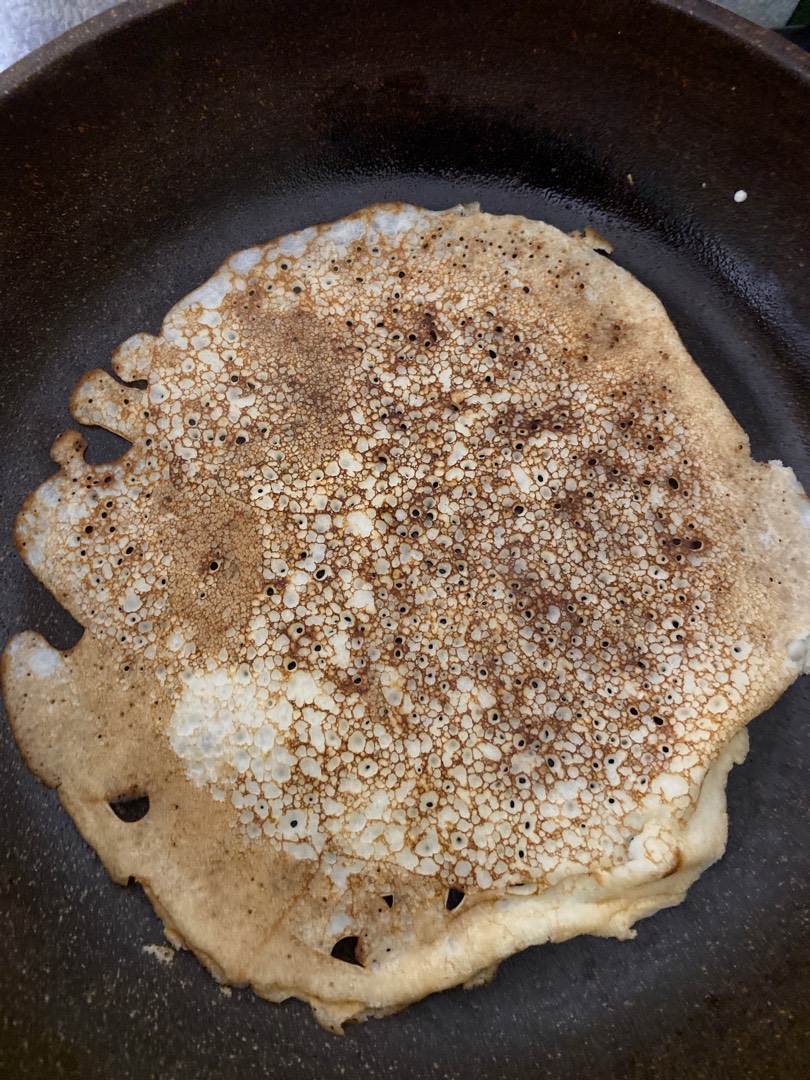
(424, 615)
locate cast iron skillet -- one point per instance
(141, 149)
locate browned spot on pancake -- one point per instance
(217, 567)
(676, 865)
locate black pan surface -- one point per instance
(135, 154)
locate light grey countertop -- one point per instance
(27, 24)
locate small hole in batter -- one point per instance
(346, 950)
(130, 808)
(454, 898)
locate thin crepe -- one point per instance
(427, 608)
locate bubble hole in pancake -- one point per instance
(423, 617)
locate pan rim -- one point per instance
(782, 52)
(43, 84)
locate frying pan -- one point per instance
(142, 148)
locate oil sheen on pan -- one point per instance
(423, 616)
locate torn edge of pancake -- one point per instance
(592, 239)
(507, 925)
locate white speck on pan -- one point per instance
(163, 953)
